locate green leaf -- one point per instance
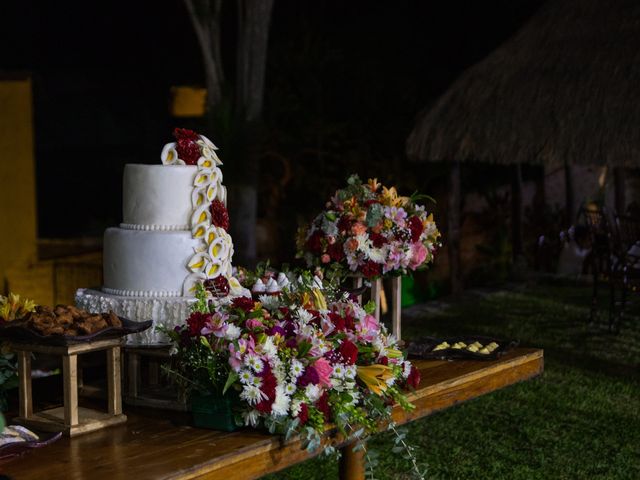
(231, 379)
(370, 307)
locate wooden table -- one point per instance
(158, 448)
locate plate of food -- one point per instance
(469, 347)
(66, 325)
(16, 440)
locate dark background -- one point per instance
(345, 81)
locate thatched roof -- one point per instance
(566, 87)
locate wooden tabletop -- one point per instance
(159, 445)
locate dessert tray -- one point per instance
(466, 347)
(21, 332)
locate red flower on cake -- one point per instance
(243, 303)
(188, 151)
(185, 134)
(219, 215)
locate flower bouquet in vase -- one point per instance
(293, 363)
(368, 230)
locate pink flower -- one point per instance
(236, 354)
(216, 324)
(325, 258)
(418, 255)
(324, 369)
(253, 323)
(368, 328)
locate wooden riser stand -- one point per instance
(70, 418)
(396, 301)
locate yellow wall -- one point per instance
(17, 176)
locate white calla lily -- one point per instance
(169, 155)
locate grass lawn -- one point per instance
(580, 420)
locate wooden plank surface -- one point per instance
(153, 445)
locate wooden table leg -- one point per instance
(114, 396)
(133, 369)
(24, 378)
(351, 463)
(70, 379)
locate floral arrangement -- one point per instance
(12, 307)
(298, 360)
(371, 230)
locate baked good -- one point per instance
(174, 235)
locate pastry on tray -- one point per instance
(70, 321)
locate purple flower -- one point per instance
(310, 376)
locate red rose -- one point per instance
(413, 380)
(344, 224)
(349, 351)
(314, 244)
(268, 387)
(378, 239)
(185, 134)
(383, 361)
(338, 321)
(196, 322)
(371, 269)
(218, 286)
(243, 303)
(416, 227)
(323, 405)
(188, 151)
(303, 416)
(219, 215)
(368, 203)
(336, 251)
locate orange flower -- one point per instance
(358, 228)
(351, 244)
(373, 184)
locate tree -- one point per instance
(254, 18)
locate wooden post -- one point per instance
(396, 306)
(357, 283)
(516, 211)
(24, 377)
(376, 292)
(70, 378)
(114, 395)
(453, 228)
(352, 463)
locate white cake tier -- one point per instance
(168, 312)
(157, 197)
(140, 263)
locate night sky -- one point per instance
(358, 72)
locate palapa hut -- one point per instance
(564, 90)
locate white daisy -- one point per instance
(296, 368)
(246, 377)
(350, 372)
(338, 371)
(252, 395)
(254, 362)
(290, 388)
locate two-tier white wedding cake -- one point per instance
(173, 236)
